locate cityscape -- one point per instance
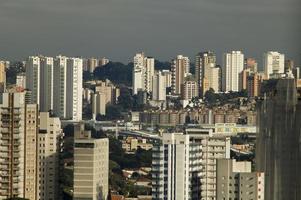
(150, 100)
(189, 128)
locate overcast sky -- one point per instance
(162, 28)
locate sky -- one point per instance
(117, 29)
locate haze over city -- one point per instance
(119, 28)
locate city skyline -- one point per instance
(105, 28)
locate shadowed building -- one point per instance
(278, 144)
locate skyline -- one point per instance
(167, 28)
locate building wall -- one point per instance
(49, 146)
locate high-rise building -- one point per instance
(92, 64)
(251, 63)
(91, 166)
(235, 180)
(103, 61)
(278, 148)
(189, 90)
(98, 101)
(233, 65)
(33, 77)
(253, 84)
(46, 84)
(49, 147)
(21, 81)
(159, 87)
(179, 69)
(74, 89)
(138, 72)
(206, 72)
(18, 147)
(60, 86)
(109, 89)
(167, 75)
(143, 72)
(273, 63)
(2, 76)
(184, 165)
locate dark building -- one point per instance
(279, 142)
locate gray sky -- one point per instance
(162, 28)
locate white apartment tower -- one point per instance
(18, 147)
(46, 84)
(184, 165)
(60, 86)
(235, 180)
(32, 68)
(179, 69)
(49, 146)
(273, 63)
(159, 87)
(232, 66)
(91, 166)
(138, 72)
(143, 73)
(74, 89)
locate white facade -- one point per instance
(273, 63)
(49, 146)
(143, 72)
(98, 101)
(33, 77)
(74, 89)
(91, 166)
(179, 69)
(159, 87)
(60, 86)
(233, 65)
(235, 180)
(138, 73)
(184, 164)
(21, 81)
(46, 84)
(167, 75)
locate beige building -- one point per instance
(179, 70)
(49, 146)
(18, 147)
(235, 180)
(91, 166)
(189, 90)
(92, 64)
(111, 91)
(2, 76)
(132, 144)
(98, 101)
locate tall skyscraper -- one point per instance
(206, 72)
(98, 101)
(46, 83)
(60, 86)
(2, 76)
(235, 180)
(138, 73)
(49, 146)
(179, 69)
(91, 165)
(74, 89)
(33, 77)
(159, 87)
(278, 148)
(143, 72)
(92, 64)
(233, 65)
(184, 165)
(273, 63)
(189, 90)
(18, 147)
